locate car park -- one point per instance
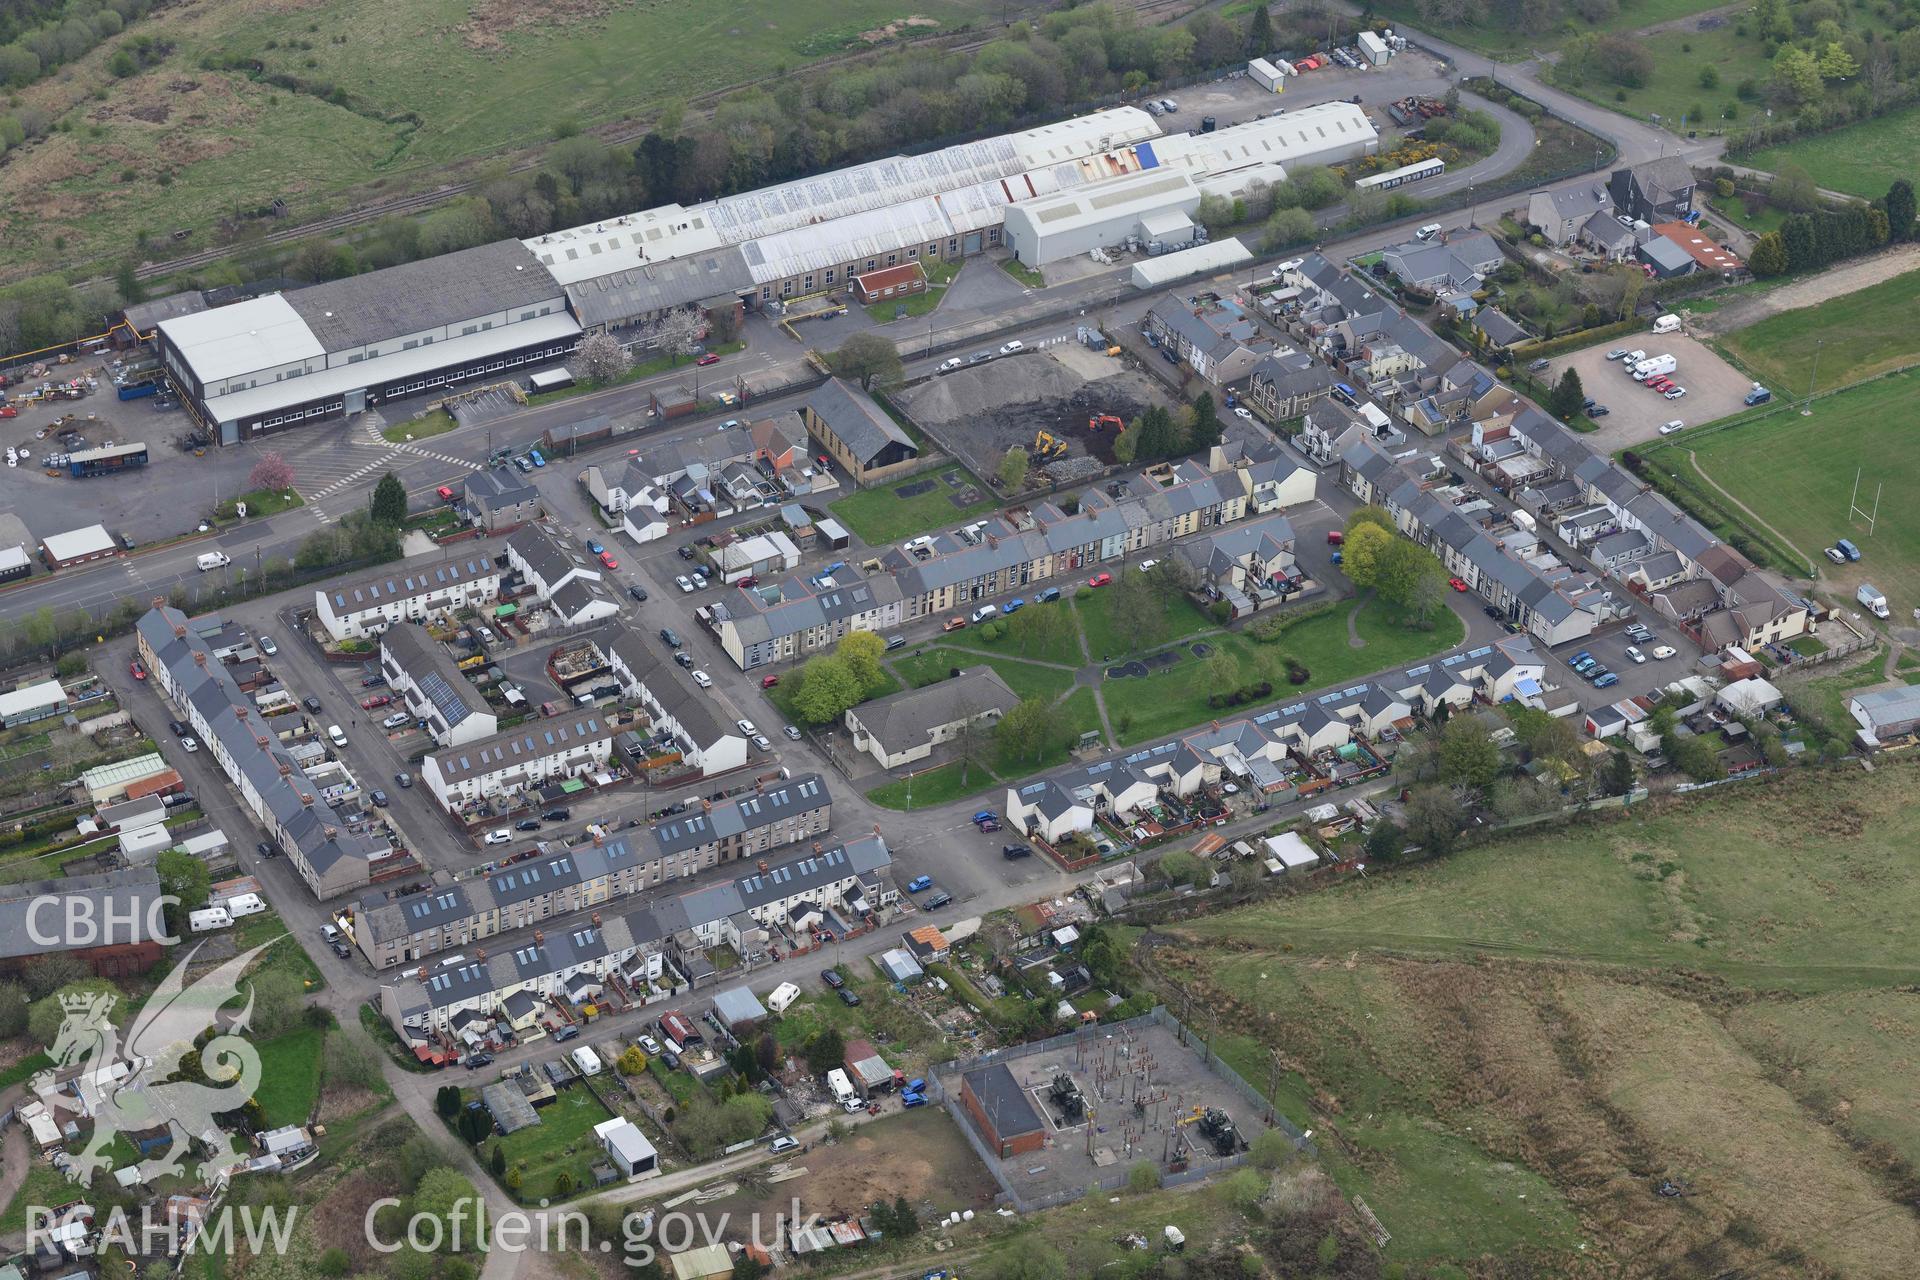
(1599, 673)
(1676, 392)
(1598, 411)
(537, 458)
(1014, 852)
(684, 583)
(1616, 353)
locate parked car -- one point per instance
(135, 670)
(1663, 652)
(760, 741)
(682, 657)
(1013, 606)
(849, 997)
(684, 583)
(498, 836)
(377, 701)
(1669, 428)
(1676, 393)
(648, 1045)
(311, 703)
(768, 682)
(937, 901)
(1634, 654)
(1458, 584)
(1048, 596)
(268, 647)
(918, 883)
(593, 545)
(265, 848)
(527, 824)
(1100, 580)
(707, 359)
(702, 679)
(565, 1033)
(405, 780)
(397, 720)
(606, 558)
(1616, 353)
(474, 1061)
(639, 594)
(1606, 681)
(379, 798)
(896, 642)
(1598, 411)
(1008, 348)
(950, 364)
(668, 638)
(179, 728)
(1836, 555)
(832, 978)
(792, 732)
(556, 815)
(1014, 852)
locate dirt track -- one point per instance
(1847, 278)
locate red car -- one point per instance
(1099, 579)
(606, 558)
(709, 358)
(1456, 584)
(8, 411)
(139, 672)
(377, 701)
(445, 494)
(767, 682)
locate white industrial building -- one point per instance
(1202, 259)
(1152, 198)
(813, 234)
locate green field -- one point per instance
(1714, 991)
(290, 1076)
(1673, 88)
(562, 1142)
(1799, 473)
(424, 84)
(1851, 333)
(880, 515)
(1874, 153)
(1175, 697)
(1502, 40)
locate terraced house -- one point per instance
(326, 847)
(644, 951)
(545, 751)
(398, 930)
(413, 592)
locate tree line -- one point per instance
(1824, 234)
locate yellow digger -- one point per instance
(1047, 446)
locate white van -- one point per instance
(336, 735)
(1667, 324)
(984, 613)
(211, 560)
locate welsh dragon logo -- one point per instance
(145, 1098)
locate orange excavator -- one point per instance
(1100, 422)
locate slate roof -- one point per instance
(427, 663)
(659, 286)
(521, 745)
(1003, 1101)
(905, 719)
(120, 912)
(500, 487)
(400, 584)
(855, 419)
(741, 814)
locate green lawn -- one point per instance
(563, 1141)
(45, 1187)
(1175, 697)
(1851, 334)
(1843, 680)
(260, 503)
(1077, 714)
(1024, 274)
(1673, 89)
(1799, 473)
(880, 515)
(1063, 648)
(424, 84)
(1026, 679)
(290, 1075)
(436, 423)
(1110, 635)
(286, 954)
(940, 274)
(1873, 153)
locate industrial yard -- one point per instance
(981, 411)
(1066, 1114)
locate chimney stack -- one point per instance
(539, 938)
(596, 919)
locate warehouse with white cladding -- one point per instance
(1152, 195)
